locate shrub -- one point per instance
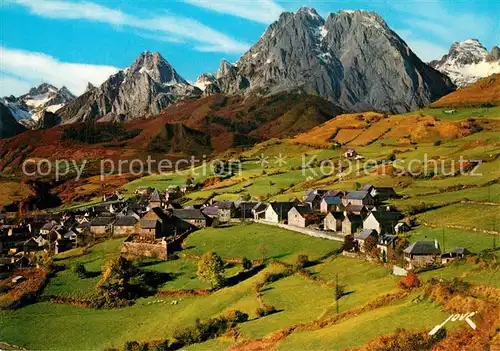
(79, 270)
(349, 243)
(246, 263)
(302, 261)
(235, 316)
(265, 311)
(409, 282)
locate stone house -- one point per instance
(149, 229)
(350, 153)
(357, 210)
(144, 191)
(456, 253)
(156, 200)
(277, 212)
(380, 193)
(101, 225)
(225, 211)
(363, 235)
(331, 204)
(48, 227)
(333, 221)
(421, 254)
(151, 224)
(313, 200)
(259, 210)
(358, 198)
(71, 235)
(351, 223)
(382, 221)
(125, 226)
(244, 209)
(300, 216)
(189, 218)
(386, 245)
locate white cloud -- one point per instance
(35, 68)
(165, 26)
(262, 11)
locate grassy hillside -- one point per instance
(484, 91)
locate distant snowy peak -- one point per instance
(468, 61)
(45, 97)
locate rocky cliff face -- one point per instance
(352, 58)
(145, 88)
(468, 61)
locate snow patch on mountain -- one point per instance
(467, 62)
(28, 108)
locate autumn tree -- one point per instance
(409, 282)
(120, 278)
(370, 243)
(211, 269)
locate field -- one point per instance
(247, 240)
(298, 299)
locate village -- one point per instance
(154, 224)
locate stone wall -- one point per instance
(145, 249)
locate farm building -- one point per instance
(421, 254)
(300, 216)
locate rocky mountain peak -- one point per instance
(89, 87)
(225, 68)
(352, 58)
(468, 61)
(143, 89)
(467, 52)
(310, 16)
(153, 64)
(44, 88)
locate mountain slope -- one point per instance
(143, 89)
(352, 58)
(468, 61)
(8, 123)
(484, 91)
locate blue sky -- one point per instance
(73, 42)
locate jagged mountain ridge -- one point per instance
(352, 58)
(468, 61)
(28, 108)
(144, 89)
